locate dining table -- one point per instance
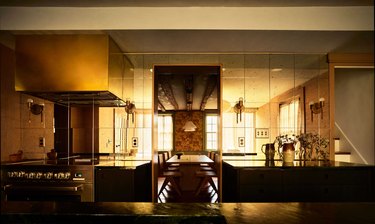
(189, 164)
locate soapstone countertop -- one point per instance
(232, 213)
(239, 162)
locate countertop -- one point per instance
(248, 163)
(130, 162)
(236, 213)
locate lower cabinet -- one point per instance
(261, 184)
(302, 184)
(120, 184)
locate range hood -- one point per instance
(72, 69)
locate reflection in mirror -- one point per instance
(276, 90)
(187, 101)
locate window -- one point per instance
(239, 137)
(289, 118)
(165, 132)
(211, 132)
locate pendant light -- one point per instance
(189, 126)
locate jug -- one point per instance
(287, 153)
(269, 150)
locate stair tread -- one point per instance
(342, 153)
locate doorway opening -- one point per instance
(187, 147)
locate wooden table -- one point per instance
(189, 164)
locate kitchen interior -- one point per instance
(85, 119)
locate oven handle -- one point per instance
(76, 188)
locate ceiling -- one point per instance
(254, 41)
(211, 41)
(187, 87)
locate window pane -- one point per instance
(165, 132)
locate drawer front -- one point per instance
(260, 193)
(327, 176)
(252, 176)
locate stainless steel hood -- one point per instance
(72, 69)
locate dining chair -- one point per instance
(170, 176)
(203, 165)
(210, 167)
(169, 155)
(207, 175)
(170, 167)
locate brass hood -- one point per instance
(72, 69)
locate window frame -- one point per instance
(206, 132)
(298, 119)
(172, 131)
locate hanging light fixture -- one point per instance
(189, 126)
(239, 108)
(129, 109)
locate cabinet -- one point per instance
(260, 184)
(123, 184)
(320, 184)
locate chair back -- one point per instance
(216, 160)
(164, 158)
(169, 154)
(213, 155)
(160, 163)
(209, 154)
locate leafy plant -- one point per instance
(282, 139)
(310, 142)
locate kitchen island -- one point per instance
(231, 213)
(123, 181)
(249, 180)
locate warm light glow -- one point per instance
(276, 70)
(189, 126)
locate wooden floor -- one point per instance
(169, 195)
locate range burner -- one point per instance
(60, 181)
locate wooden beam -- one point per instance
(161, 106)
(167, 88)
(189, 86)
(210, 87)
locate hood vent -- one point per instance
(103, 99)
(72, 69)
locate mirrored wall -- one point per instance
(262, 96)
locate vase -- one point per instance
(288, 152)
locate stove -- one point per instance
(48, 180)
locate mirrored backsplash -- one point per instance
(281, 94)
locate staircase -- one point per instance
(340, 155)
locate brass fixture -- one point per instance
(130, 109)
(239, 108)
(35, 109)
(88, 68)
(317, 108)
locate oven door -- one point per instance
(44, 192)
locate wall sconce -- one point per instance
(129, 109)
(317, 108)
(239, 108)
(35, 109)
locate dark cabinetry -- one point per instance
(330, 184)
(122, 184)
(261, 184)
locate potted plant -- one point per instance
(313, 146)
